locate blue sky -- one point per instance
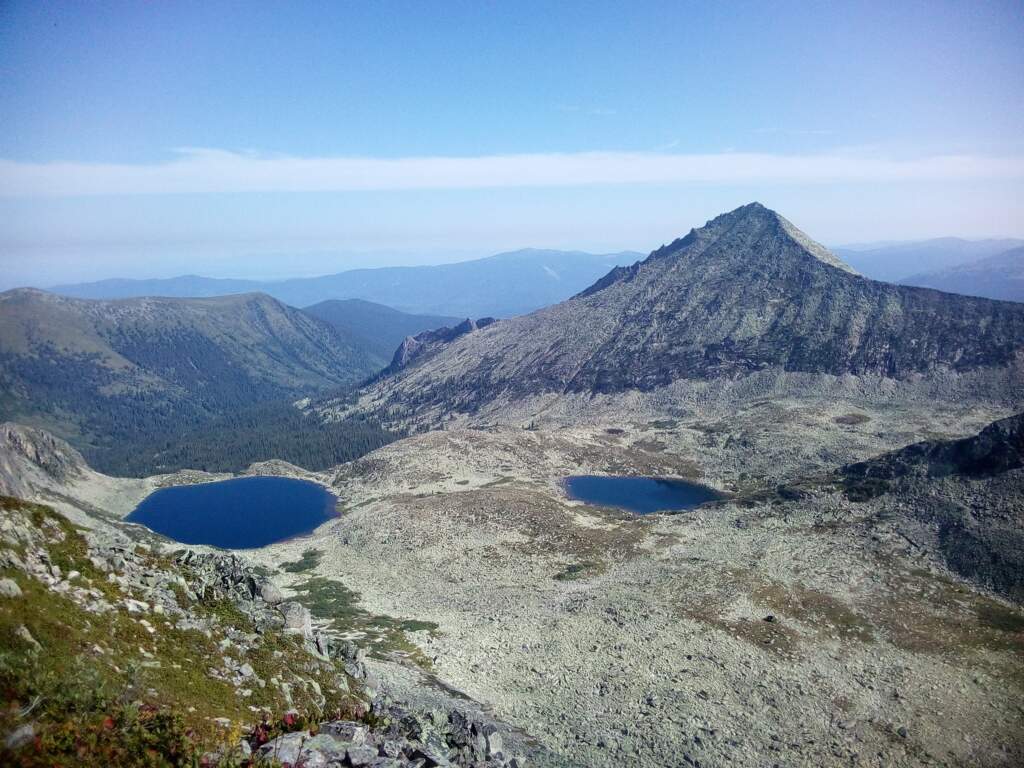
(269, 139)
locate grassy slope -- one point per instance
(103, 689)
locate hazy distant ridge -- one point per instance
(502, 285)
(895, 262)
(996, 277)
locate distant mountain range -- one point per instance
(746, 297)
(101, 373)
(997, 277)
(896, 262)
(503, 285)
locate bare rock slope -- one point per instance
(961, 498)
(746, 295)
(799, 628)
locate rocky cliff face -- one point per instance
(427, 343)
(996, 449)
(26, 452)
(745, 294)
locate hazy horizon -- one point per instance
(144, 140)
(319, 265)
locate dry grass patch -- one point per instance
(822, 612)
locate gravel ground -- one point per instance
(647, 641)
(793, 629)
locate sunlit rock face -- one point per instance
(745, 295)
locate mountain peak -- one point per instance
(755, 218)
(752, 222)
(747, 295)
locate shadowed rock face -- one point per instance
(965, 498)
(746, 292)
(996, 449)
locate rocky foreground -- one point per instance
(807, 619)
(116, 654)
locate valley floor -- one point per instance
(785, 625)
(622, 640)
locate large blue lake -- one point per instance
(236, 514)
(641, 495)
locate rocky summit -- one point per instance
(747, 297)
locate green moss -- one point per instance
(105, 690)
(91, 665)
(310, 559)
(996, 616)
(583, 570)
(332, 600)
(223, 611)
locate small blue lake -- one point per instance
(236, 514)
(641, 495)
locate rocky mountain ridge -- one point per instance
(962, 499)
(746, 294)
(427, 343)
(998, 448)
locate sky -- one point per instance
(149, 139)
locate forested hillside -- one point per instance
(263, 432)
(110, 376)
(377, 329)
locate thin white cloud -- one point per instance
(795, 131)
(219, 171)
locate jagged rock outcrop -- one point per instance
(746, 294)
(403, 739)
(996, 449)
(424, 344)
(963, 499)
(27, 453)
